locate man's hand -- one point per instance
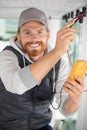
(64, 36)
(74, 88)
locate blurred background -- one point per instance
(58, 14)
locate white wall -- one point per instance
(54, 26)
(83, 40)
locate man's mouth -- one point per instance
(34, 45)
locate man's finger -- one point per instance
(69, 24)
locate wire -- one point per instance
(60, 98)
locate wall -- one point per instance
(54, 26)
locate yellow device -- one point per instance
(79, 68)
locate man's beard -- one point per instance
(34, 51)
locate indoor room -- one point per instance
(59, 14)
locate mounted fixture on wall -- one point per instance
(84, 9)
(74, 13)
(77, 12)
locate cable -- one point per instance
(60, 98)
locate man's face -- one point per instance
(33, 37)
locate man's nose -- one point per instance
(34, 37)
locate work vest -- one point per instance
(30, 110)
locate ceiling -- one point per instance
(52, 8)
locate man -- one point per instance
(31, 75)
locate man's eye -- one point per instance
(39, 32)
(27, 32)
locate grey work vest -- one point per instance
(30, 110)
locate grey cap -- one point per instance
(32, 14)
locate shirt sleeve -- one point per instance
(15, 79)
